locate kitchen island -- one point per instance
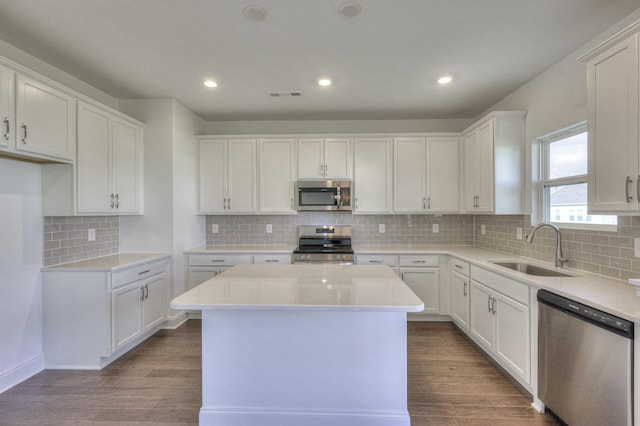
(303, 345)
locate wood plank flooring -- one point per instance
(158, 383)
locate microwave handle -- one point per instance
(338, 197)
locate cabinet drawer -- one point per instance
(460, 266)
(272, 258)
(218, 259)
(418, 260)
(137, 273)
(376, 259)
(513, 289)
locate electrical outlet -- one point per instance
(636, 247)
(435, 228)
(381, 228)
(483, 229)
(519, 233)
(214, 228)
(269, 228)
(91, 235)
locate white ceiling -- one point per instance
(384, 63)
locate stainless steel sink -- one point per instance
(529, 269)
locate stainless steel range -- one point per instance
(324, 244)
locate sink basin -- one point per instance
(529, 269)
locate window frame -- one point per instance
(546, 182)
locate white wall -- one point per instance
(20, 280)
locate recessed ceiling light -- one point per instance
(349, 9)
(210, 83)
(255, 13)
(445, 79)
(324, 82)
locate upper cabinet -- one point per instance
(109, 166)
(7, 112)
(46, 120)
(613, 119)
(373, 175)
(277, 175)
(493, 166)
(426, 174)
(324, 158)
(227, 175)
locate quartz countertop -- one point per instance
(257, 249)
(303, 287)
(110, 263)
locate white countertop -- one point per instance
(287, 249)
(107, 263)
(307, 287)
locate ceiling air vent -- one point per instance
(284, 94)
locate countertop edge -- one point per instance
(123, 261)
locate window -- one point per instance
(564, 180)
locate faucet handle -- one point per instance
(561, 261)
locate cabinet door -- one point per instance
(425, 283)
(241, 169)
(154, 305)
(512, 336)
(372, 185)
(196, 276)
(7, 117)
(409, 181)
(337, 158)
(126, 314)
(126, 165)
(460, 310)
(481, 317)
(470, 171)
(94, 178)
(442, 175)
(47, 119)
(484, 170)
(311, 158)
(612, 94)
(277, 175)
(213, 172)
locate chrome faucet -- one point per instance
(560, 260)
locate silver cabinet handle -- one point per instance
(112, 200)
(142, 293)
(638, 188)
(24, 133)
(326, 169)
(224, 203)
(117, 201)
(626, 189)
(7, 128)
(419, 261)
(493, 306)
(457, 266)
(146, 291)
(217, 260)
(489, 303)
(464, 288)
(321, 169)
(375, 261)
(424, 203)
(144, 272)
(271, 261)
(356, 206)
(291, 203)
(429, 203)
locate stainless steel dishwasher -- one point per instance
(585, 363)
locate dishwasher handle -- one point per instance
(587, 313)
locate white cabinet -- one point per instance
(7, 110)
(372, 175)
(109, 166)
(426, 175)
(277, 175)
(227, 176)
(203, 266)
(613, 120)
(421, 274)
(282, 259)
(93, 317)
(46, 120)
(500, 321)
(494, 164)
(460, 293)
(324, 158)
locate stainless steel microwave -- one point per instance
(323, 195)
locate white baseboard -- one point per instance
(176, 321)
(21, 372)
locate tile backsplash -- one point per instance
(399, 229)
(66, 238)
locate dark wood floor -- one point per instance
(158, 383)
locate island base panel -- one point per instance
(311, 367)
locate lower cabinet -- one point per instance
(93, 316)
(421, 274)
(460, 293)
(500, 321)
(204, 266)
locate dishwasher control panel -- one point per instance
(612, 322)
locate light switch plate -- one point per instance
(435, 228)
(214, 228)
(483, 229)
(519, 233)
(91, 235)
(269, 228)
(381, 228)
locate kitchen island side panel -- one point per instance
(293, 367)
